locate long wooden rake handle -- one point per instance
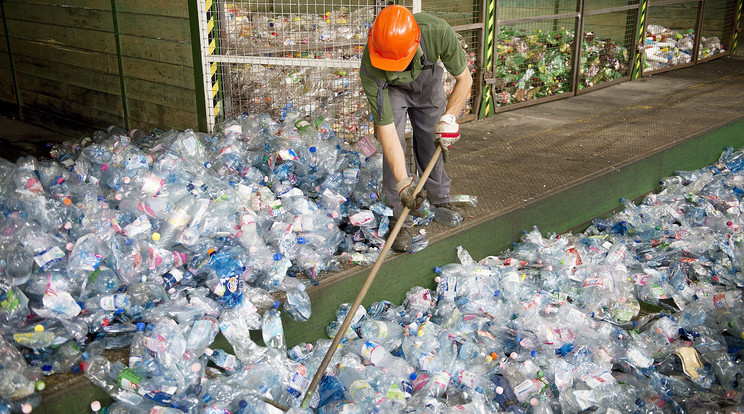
(367, 283)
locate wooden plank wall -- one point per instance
(73, 72)
(158, 63)
(7, 86)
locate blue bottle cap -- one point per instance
(277, 257)
(243, 403)
(300, 240)
(437, 269)
(413, 376)
(140, 326)
(46, 367)
(533, 353)
(313, 149)
(276, 304)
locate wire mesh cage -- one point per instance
(598, 5)
(607, 44)
(529, 9)
(717, 28)
(533, 59)
(273, 56)
(281, 55)
(465, 19)
(670, 34)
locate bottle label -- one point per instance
(640, 279)
(34, 185)
(724, 300)
(462, 198)
(441, 380)
(366, 147)
(107, 302)
(383, 329)
(420, 381)
(10, 301)
(361, 218)
(229, 363)
(152, 185)
(597, 378)
(129, 379)
(351, 174)
(425, 362)
(658, 292)
(395, 393)
(287, 154)
(450, 287)
(466, 378)
(135, 360)
(48, 258)
(356, 386)
(368, 348)
(172, 278)
(299, 382)
(595, 281)
(179, 218)
(526, 388)
(302, 125)
(93, 276)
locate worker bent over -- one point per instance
(401, 78)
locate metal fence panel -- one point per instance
(607, 44)
(717, 29)
(533, 59)
(273, 56)
(669, 40)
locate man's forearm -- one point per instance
(460, 92)
(391, 148)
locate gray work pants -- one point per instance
(424, 102)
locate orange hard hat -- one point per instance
(393, 38)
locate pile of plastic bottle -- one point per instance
(663, 47)
(110, 245)
(335, 92)
(292, 34)
(552, 325)
(602, 60)
(126, 227)
(538, 64)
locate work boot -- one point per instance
(451, 207)
(402, 241)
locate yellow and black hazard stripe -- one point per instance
(215, 76)
(487, 101)
(737, 24)
(640, 38)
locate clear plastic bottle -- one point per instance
(272, 330)
(137, 352)
(382, 358)
(173, 226)
(108, 303)
(224, 360)
(447, 217)
(298, 304)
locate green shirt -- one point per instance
(441, 44)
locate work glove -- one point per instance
(405, 189)
(447, 133)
